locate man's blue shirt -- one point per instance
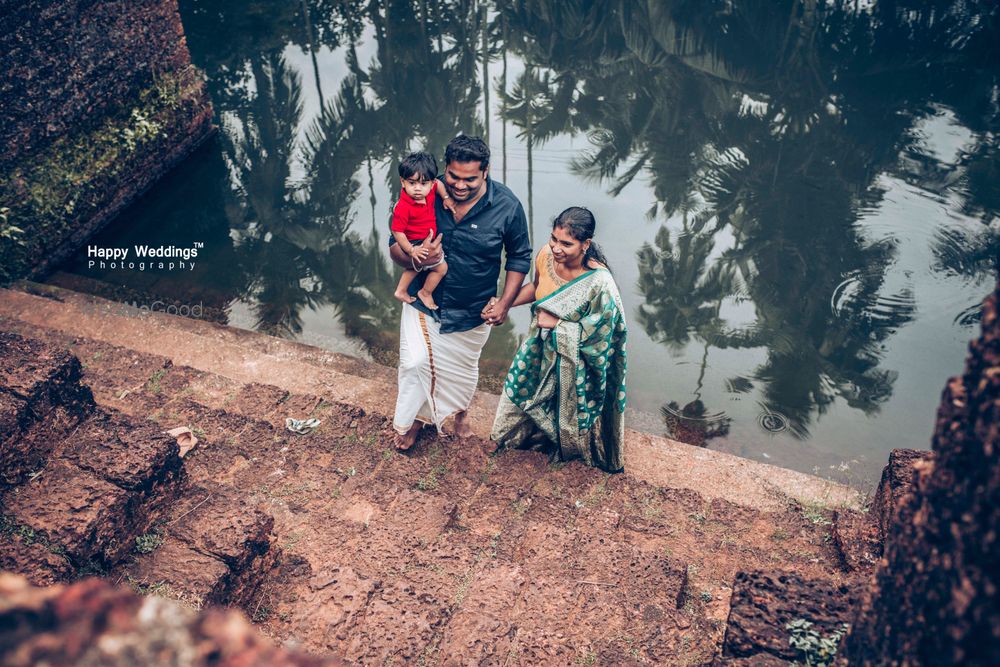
(473, 250)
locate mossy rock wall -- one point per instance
(99, 99)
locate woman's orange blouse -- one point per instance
(548, 281)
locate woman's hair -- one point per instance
(419, 164)
(580, 224)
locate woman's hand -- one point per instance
(546, 320)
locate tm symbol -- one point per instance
(199, 244)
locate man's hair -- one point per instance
(467, 149)
(419, 164)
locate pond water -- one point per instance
(798, 199)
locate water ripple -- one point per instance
(857, 299)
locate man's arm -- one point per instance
(518, 248)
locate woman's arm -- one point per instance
(527, 293)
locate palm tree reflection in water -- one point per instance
(764, 130)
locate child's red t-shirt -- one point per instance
(413, 219)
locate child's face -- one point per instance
(417, 187)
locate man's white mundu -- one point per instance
(438, 372)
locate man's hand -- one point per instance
(547, 320)
(495, 312)
(419, 253)
(431, 248)
(487, 311)
(400, 257)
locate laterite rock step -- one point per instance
(766, 606)
(860, 538)
(115, 486)
(213, 549)
(104, 485)
(41, 400)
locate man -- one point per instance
(439, 351)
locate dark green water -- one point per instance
(798, 199)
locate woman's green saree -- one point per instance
(565, 389)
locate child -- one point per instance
(413, 220)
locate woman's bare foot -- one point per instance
(401, 295)
(404, 442)
(427, 299)
(462, 427)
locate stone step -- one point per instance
(244, 357)
(105, 484)
(860, 538)
(767, 607)
(898, 479)
(212, 549)
(41, 400)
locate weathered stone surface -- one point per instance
(41, 399)
(32, 369)
(399, 623)
(934, 600)
(763, 603)
(856, 539)
(133, 454)
(482, 630)
(897, 481)
(216, 551)
(93, 623)
(178, 572)
(92, 520)
(41, 563)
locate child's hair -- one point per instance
(464, 148)
(419, 164)
(580, 224)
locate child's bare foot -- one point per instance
(426, 298)
(403, 296)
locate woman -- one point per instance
(565, 390)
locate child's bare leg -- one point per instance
(434, 276)
(404, 285)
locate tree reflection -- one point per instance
(294, 240)
(761, 126)
(758, 119)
